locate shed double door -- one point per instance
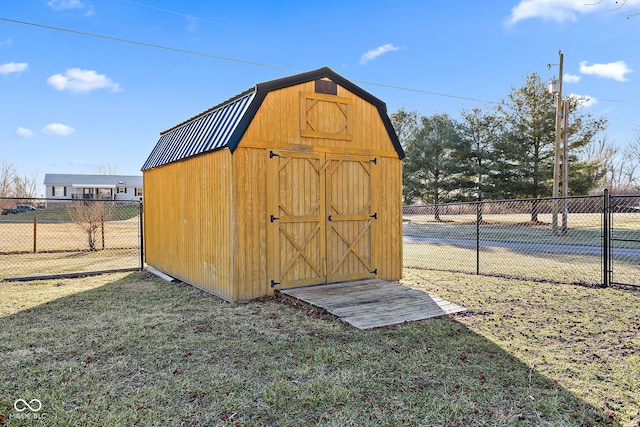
(320, 218)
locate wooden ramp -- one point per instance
(373, 303)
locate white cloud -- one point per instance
(58, 129)
(563, 10)
(82, 81)
(7, 42)
(570, 78)
(23, 133)
(613, 70)
(65, 4)
(13, 67)
(374, 53)
(71, 4)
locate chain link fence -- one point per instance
(48, 237)
(586, 241)
(593, 240)
(623, 251)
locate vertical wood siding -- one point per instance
(387, 230)
(249, 224)
(279, 123)
(187, 220)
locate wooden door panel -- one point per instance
(297, 231)
(349, 218)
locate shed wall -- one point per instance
(250, 224)
(187, 221)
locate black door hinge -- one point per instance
(374, 271)
(272, 154)
(274, 283)
(273, 218)
(374, 216)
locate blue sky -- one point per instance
(71, 102)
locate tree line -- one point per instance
(507, 151)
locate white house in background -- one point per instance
(93, 187)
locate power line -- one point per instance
(156, 46)
(426, 92)
(224, 58)
(242, 61)
(183, 15)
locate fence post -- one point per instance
(35, 232)
(606, 240)
(141, 228)
(478, 217)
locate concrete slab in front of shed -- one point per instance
(367, 304)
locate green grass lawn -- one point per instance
(129, 349)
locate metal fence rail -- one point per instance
(590, 242)
(46, 237)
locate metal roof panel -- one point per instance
(207, 132)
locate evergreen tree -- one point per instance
(429, 165)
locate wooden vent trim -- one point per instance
(327, 87)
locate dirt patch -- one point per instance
(26, 352)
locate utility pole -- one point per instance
(565, 166)
(556, 162)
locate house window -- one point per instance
(122, 190)
(58, 190)
(138, 191)
(105, 193)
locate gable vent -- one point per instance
(326, 86)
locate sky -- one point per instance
(85, 83)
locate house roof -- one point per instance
(223, 125)
(92, 180)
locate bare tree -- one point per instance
(90, 215)
(7, 172)
(619, 167)
(107, 169)
(14, 185)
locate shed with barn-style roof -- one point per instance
(295, 182)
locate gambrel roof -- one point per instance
(224, 125)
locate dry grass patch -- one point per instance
(585, 339)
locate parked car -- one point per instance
(24, 208)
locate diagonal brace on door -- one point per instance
(299, 250)
(351, 247)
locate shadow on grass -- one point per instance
(143, 351)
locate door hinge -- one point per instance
(330, 218)
(374, 271)
(374, 216)
(272, 154)
(274, 283)
(374, 161)
(273, 218)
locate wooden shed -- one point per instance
(294, 182)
